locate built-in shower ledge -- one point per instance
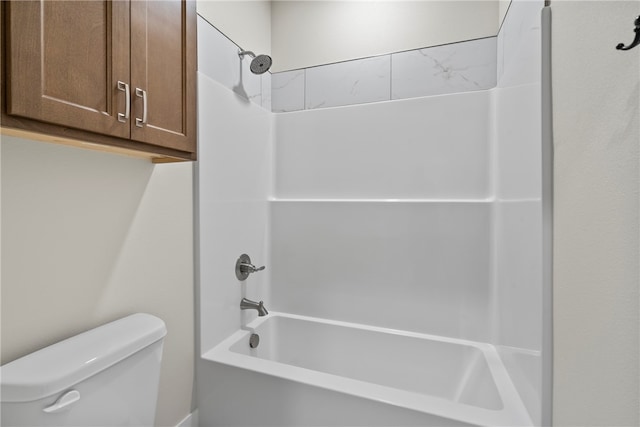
(288, 200)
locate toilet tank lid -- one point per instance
(66, 363)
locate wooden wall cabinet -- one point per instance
(119, 73)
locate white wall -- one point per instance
(386, 199)
(393, 264)
(406, 149)
(234, 170)
(233, 182)
(518, 207)
(309, 33)
(233, 173)
(247, 23)
(381, 204)
(89, 237)
(596, 264)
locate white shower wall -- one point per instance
(421, 214)
(518, 207)
(368, 202)
(416, 266)
(233, 213)
(406, 149)
(382, 214)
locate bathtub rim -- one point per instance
(513, 412)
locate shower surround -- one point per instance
(386, 196)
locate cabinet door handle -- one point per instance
(127, 103)
(142, 94)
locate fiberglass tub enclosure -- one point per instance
(404, 249)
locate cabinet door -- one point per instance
(65, 59)
(163, 73)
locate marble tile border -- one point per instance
(348, 83)
(451, 68)
(287, 91)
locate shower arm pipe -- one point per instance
(242, 53)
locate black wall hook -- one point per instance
(636, 40)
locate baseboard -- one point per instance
(190, 420)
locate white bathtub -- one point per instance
(309, 371)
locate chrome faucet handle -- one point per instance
(244, 267)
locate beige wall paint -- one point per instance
(246, 22)
(309, 33)
(596, 232)
(88, 237)
(301, 34)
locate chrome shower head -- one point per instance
(260, 64)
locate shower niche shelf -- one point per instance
(116, 76)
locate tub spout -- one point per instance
(246, 304)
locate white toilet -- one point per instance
(107, 376)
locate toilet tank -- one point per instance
(107, 376)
